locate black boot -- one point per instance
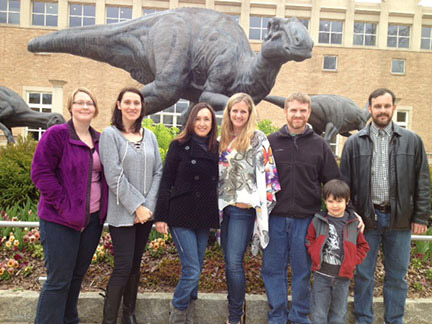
(129, 299)
(112, 303)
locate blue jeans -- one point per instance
(68, 254)
(329, 299)
(396, 247)
(236, 233)
(287, 246)
(191, 245)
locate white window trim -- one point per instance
(26, 94)
(330, 70)
(364, 34)
(404, 67)
(8, 11)
(408, 110)
(82, 16)
(118, 18)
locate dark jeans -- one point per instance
(129, 243)
(396, 247)
(191, 245)
(329, 299)
(68, 254)
(236, 232)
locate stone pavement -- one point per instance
(18, 307)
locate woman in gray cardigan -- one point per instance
(133, 168)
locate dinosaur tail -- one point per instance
(105, 43)
(276, 100)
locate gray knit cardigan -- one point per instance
(132, 174)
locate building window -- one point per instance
(398, 36)
(40, 102)
(149, 11)
(236, 18)
(305, 23)
(82, 15)
(45, 13)
(118, 14)
(402, 116)
(171, 116)
(330, 63)
(364, 34)
(258, 27)
(398, 66)
(330, 32)
(426, 37)
(9, 12)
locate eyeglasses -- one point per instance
(84, 103)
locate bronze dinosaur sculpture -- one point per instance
(190, 53)
(14, 112)
(332, 114)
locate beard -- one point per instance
(382, 122)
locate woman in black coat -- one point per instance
(188, 203)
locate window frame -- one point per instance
(262, 29)
(39, 107)
(392, 65)
(398, 37)
(324, 61)
(364, 34)
(81, 16)
(113, 20)
(330, 32)
(45, 14)
(426, 38)
(8, 12)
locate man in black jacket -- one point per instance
(387, 170)
(304, 162)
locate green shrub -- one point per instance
(267, 127)
(16, 187)
(163, 134)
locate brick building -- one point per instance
(359, 46)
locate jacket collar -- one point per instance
(74, 138)
(285, 132)
(196, 151)
(397, 130)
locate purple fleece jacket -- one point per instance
(62, 170)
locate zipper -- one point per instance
(87, 221)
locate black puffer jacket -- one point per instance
(409, 177)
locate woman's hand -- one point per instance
(361, 225)
(143, 215)
(162, 227)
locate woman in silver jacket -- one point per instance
(133, 168)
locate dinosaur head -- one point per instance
(287, 40)
(55, 119)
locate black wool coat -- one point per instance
(188, 189)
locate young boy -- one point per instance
(336, 246)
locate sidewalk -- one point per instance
(19, 307)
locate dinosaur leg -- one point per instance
(330, 132)
(8, 133)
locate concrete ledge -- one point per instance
(153, 308)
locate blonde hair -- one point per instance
(300, 97)
(84, 90)
(242, 141)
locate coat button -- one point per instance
(187, 147)
(196, 177)
(193, 161)
(197, 194)
(213, 178)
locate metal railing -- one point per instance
(36, 224)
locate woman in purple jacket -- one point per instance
(72, 208)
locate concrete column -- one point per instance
(137, 8)
(100, 12)
(383, 25)
(416, 29)
(349, 24)
(25, 13)
(315, 19)
(173, 4)
(210, 4)
(280, 8)
(244, 16)
(57, 98)
(63, 14)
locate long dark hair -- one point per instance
(189, 128)
(116, 118)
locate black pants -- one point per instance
(129, 243)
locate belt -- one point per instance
(382, 208)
